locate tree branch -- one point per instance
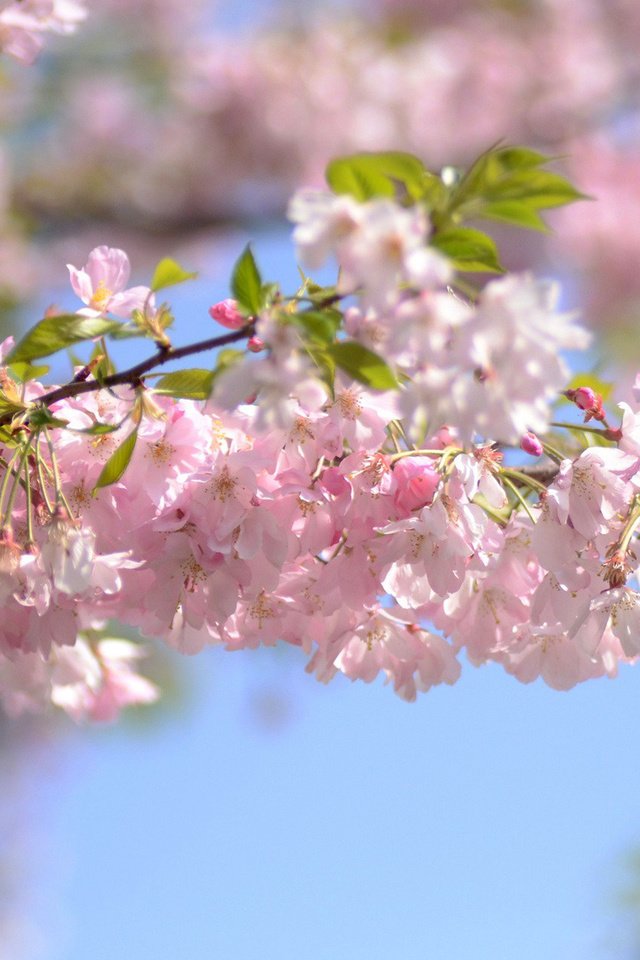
(134, 374)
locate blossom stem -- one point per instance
(27, 489)
(41, 477)
(519, 496)
(24, 453)
(552, 452)
(582, 428)
(7, 476)
(394, 439)
(507, 474)
(57, 485)
(630, 526)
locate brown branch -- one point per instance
(542, 472)
(135, 374)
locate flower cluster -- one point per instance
(363, 506)
(349, 483)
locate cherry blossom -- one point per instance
(102, 282)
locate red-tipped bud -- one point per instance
(255, 344)
(589, 401)
(586, 398)
(226, 313)
(531, 444)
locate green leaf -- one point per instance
(434, 193)
(325, 364)
(508, 183)
(469, 250)
(539, 188)
(320, 326)
(362, 364)
(56, 333)
(168, 273)
(117, 462)
(7, 438)
(98, 429)
(42, 417)
(26, 372)
(8, 408)
(246, 283)
(515, 212)
(387, 174)
(269, 293)
(518, 158)
(189, 384)
(126, 331)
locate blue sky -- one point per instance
(487, 820)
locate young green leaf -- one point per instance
(387, 174)
(516, 212)
(97, 430)
(326, 367)
(508, 183)
(192, 384)
(26, 371)
(42, 417)
(320, 326)
(117, 462)
(362, 364)
(56, 333)
(469, 249)
(246, 283)
(168, 273)
(9, 408)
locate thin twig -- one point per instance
(134, 374)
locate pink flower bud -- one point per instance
(255, 344)
(530, 444)
(589, 401)
(585, 398)
(416, 482)
(226, 313)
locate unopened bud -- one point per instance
(226, 313)
(255, 344)
(531, 444)
(588, 400)
(585, 398)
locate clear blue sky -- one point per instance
(484, 821)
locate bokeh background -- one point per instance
(254, 813)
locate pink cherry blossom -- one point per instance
(102, 285)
